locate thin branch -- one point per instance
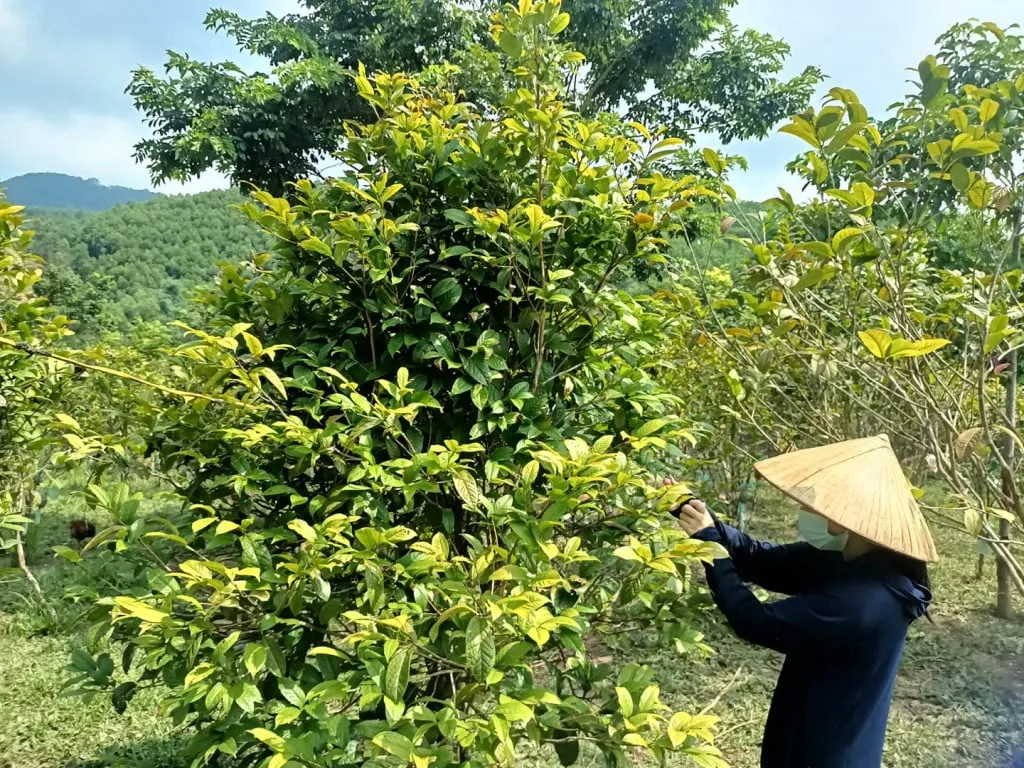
(34, 351)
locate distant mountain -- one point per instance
(58, 190)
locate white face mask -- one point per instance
(814, 530)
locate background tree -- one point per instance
(846, 324)
(674, 62)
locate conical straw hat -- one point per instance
(859, 485)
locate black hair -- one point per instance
(917, 572)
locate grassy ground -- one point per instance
(957, 703)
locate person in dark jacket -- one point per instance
(850, 599)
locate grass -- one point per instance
(960, 689)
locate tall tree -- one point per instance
(674, 62)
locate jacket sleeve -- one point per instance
(788, 569)
(797, 623)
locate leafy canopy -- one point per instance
(849, 318)
(678, 63)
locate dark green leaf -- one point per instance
(478, 369)
(479, 648)
(932, 90)
(122, 695)
(396, 679)
(447, 293)
(568, 750)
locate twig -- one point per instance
(29, 349)
(23, 564)
(731, 728)
(728, 687)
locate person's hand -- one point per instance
(694, 516)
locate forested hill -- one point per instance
(141, 260)
(58, 190)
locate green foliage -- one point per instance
(139, 261)
(673, 62)
(849, 320)
(28, 386)
(422, 484)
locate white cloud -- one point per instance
(81, 144)
(13, 28)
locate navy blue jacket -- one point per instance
(842, 631)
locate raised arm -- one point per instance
(785, 568)
(797, 623)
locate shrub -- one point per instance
(29, 384)
(421, 487)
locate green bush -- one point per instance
(29, 385)
(418, 484)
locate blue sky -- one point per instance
(65, 64)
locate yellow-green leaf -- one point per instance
(902, 348)
(802, 129)
(530, 471)
(846, 237)
(395, 744)
(972, 520)
(139, 610)
(714, 160)
(625, 701)
(68, 421)
(988, 110)
(559, 23)
(513, 710)
(206, 522)
(959, 118)
(628, 553)
(979, 194)
(274, 379)
(304, 529)
(255, 656)
(466, 487)
(877, 342)
(269, 738)
(650, 427)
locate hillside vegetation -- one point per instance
(139, 261)
(142, 261)
(59, 190)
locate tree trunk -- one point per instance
(19, 550)
(1004, 589)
